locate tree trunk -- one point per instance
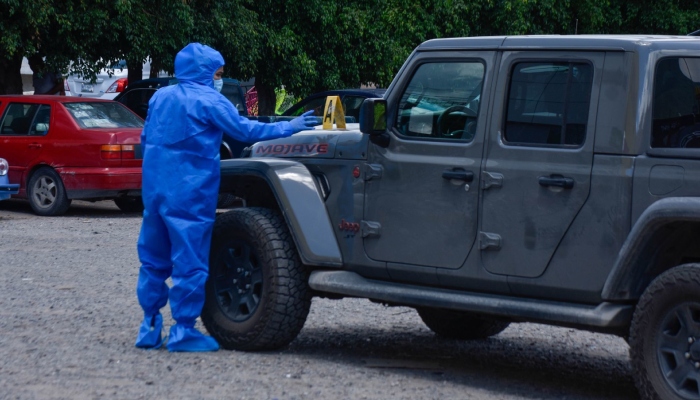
(155, 68)
(267, 100)
(10, 76)
(135, 68)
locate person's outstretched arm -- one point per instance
(225, 117)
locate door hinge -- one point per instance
(491, 179)
(489, 240)
(370, 228)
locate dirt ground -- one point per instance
(69, 316)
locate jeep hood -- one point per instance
(317, 143)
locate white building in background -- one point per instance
(27, 86)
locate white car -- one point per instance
(110, 82)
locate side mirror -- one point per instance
(373, 116)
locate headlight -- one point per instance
(4, 167)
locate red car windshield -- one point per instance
(103, 115)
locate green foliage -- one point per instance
(304, 46)
(231, 28)
(21, 23)
(284, 100)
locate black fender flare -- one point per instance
(627, 280)
(300, 203)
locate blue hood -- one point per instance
(196, 63)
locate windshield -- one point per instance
(103, 115)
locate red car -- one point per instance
(63, 148)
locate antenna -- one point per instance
(576, 29)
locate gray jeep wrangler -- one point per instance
(553, 179)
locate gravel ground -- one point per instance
(69, 315)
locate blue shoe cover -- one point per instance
(190, 340)
(150, 332)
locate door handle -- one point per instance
(556, 181)
(459, 174)
(34, 145)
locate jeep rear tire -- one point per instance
(665, 336)
(461, 325)
(257, 294)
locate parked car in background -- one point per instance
(7, 189)
(63, 148)
(109, 83)
(137, 95)
(351, 99)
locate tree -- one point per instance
(232, 29)
(61, 31)
(21, 33)
(304, 46)
(315, 45)
(671, 17)
(155, 29)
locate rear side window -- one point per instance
(103, 115)
(548, 103)
(18, 118)
(676, 103)
(137, 101)
(40, 125)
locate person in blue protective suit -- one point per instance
(180, 142)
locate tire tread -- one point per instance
(661, 290)
(290, 298)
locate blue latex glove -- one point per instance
(304, 122)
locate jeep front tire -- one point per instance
(665, 336)
(257, 294)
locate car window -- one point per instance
(18, 118)
(676, 103)
(103, 115)
(40, 126)
(233, 94)
(548, 103)
(351, 106)
(442, 101)
(317, 104)
(137, 100)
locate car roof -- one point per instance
(160, 82)
(166, 81)
(569, 42)
(38, 98)
(361, 92)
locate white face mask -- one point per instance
(218, 84)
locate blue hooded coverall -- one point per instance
(180, 141)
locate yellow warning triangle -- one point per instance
(333, 113)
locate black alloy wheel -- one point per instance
(239, 281)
